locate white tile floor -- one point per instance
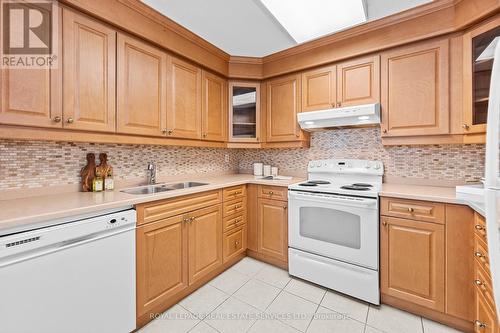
(256, 297)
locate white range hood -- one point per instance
(360, 115)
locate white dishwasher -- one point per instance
(74, 277)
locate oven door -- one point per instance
(339, 227)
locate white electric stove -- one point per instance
(333, 226)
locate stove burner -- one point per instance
(362, 185)
(308, 184)
(355, 188)
(319, 182)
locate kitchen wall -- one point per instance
(33, 164)
(440, 164)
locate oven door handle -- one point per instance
(329, 198)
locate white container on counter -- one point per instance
(274, 171)
(257, 169)
(267, 170)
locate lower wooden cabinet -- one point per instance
(162, 262)
(235, 243)
(205, 241)
(273, 229)
(424, 266)
(412, 261)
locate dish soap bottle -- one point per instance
(97, 184)
(109, 184)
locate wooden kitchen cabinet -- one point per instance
(235, 243)
(273, 229)
(319, 89)
(89, 73)
(183, 100)
(205, 241)
(141, 87)
(412, 262)
(352, 82)
(162, 262)
(283, 104)
(415, 90)
(32, 97)
(358, 81)
(214, 107)
(245, 112)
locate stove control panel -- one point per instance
(347, 166)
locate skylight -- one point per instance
(308, 19)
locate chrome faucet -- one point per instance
(151, 173)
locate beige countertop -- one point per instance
(43, 210)
(432, 193)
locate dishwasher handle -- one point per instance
(63, 245)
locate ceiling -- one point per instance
(247, 27)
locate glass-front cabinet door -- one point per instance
(477, 75)
(244, 108)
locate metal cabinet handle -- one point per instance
(384, 223)
(478, 227)
(284, 207)
(478, 282)
(192, 218)
(478, 254)
(384, 131)
(204, 135)
(70, 120)
(169, 131)
(465, 127)
(57, 119)
(479, 324)
(411, 209)
(339, 104)
(236, 243)
(164, 131)
(270, 192)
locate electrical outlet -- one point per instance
(226, 158)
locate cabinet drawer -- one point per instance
(157, 210)
(235, 242)
(235, 192)
(234, 221)
(483, 284)
(415, 210)
(485, 318)
(273, 192)
(480, 226)
(234, 207)
(481, 253)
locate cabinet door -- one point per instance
(273, 229)
(214, 107)
(358, 82)
(205, 242)
(32, 97)
(415, 90)
(235, 243)
(89, 74)
(283, 104)
(184, 100)
(319, 89)
(162, 255)
(142, 87)
(412, 261)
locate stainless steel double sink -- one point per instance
(163, 187)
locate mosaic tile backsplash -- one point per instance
(34, 164)
(437, 162)
(30, 164)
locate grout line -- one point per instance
(422, 323)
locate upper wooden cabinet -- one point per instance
(283, 104)
(32, 97)
(244, 112)
(142, 87)
(412, 261)
(477, 75)
(348, 83)
(415, 90)
(89, 73)
(184, 100)
(358, 81)
(214, 107)
(319, 89)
